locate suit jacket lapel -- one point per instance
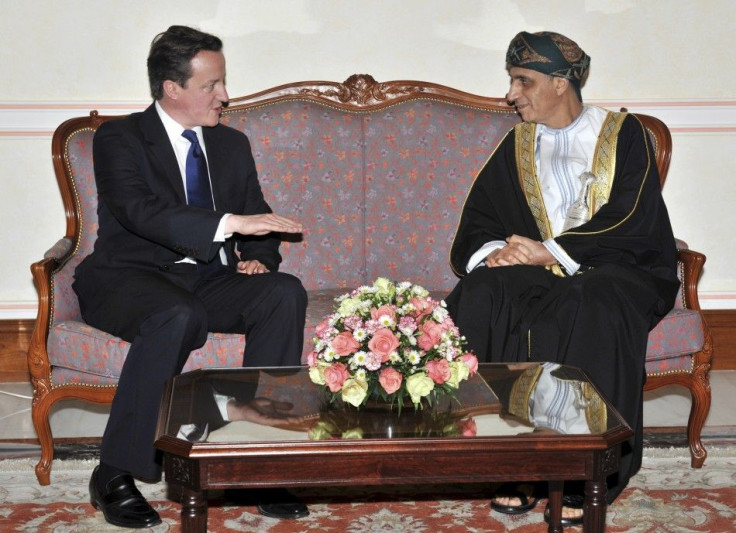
(161, 150)
(216, 162)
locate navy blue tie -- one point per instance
(199, 192)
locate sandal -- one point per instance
(513, 490)
(573, 501)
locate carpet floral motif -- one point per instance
(667, 496)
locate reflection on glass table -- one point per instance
(264, 405)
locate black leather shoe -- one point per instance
(121, 502)
(280, 503)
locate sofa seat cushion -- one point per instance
(680, 332)
(76, 346)
(72, 343)
(681, 364)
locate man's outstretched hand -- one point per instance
(261, 224)
(263, 411)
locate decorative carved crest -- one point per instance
(362, 90)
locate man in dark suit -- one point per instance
(186, 245)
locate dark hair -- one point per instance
(171, 54)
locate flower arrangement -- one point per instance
(389, 341)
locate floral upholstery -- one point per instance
(77, 346)
(379, 192)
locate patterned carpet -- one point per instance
(666, 496)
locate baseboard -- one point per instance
(722, 323)
(15, 335)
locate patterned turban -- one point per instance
(549, 53)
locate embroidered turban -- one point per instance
(549, 53)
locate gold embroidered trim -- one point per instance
(604, 161)
(528, 179)
(641, 185)
(596, 413)
(521, 392)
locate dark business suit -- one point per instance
(133, 285)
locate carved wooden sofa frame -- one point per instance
(375, 105)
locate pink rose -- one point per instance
(345, 344)
(322, 327)
(438, 370)
(387, 310)
(312, 359)
(430, 334)
(422, 306)
(383, 343)
(390, 380)
(335, 376)
(470, 361)
(467, 427)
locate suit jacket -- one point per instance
(144, 221)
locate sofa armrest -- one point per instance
(61, 249)
(38, 359)
(691, 268)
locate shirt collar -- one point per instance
(579, 120)
(172, 127)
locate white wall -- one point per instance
(671, 58)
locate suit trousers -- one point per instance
(165, 314)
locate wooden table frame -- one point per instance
(543, 456)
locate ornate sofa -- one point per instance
(377, 173)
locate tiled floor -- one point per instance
(667, 407)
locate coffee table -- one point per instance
(503, 429)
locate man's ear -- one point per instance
(171, 89)
(561, 85)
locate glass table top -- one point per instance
(282, 404)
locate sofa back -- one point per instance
(72, 157)
(377, 174)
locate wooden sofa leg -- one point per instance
(40, 415)
(700, 393)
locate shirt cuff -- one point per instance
(220, 235)
(222, 400)
(563, 259)
(478, 257)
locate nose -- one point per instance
(223, 96)
(512, 95)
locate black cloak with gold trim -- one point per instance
(597, 319)
(632, 228)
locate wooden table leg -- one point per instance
(555, 506)
(193, 511)
(594, 509)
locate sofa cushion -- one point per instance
(422, 157)
(310, 165)
(680, 332)
(77, 346)
(80, 353)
